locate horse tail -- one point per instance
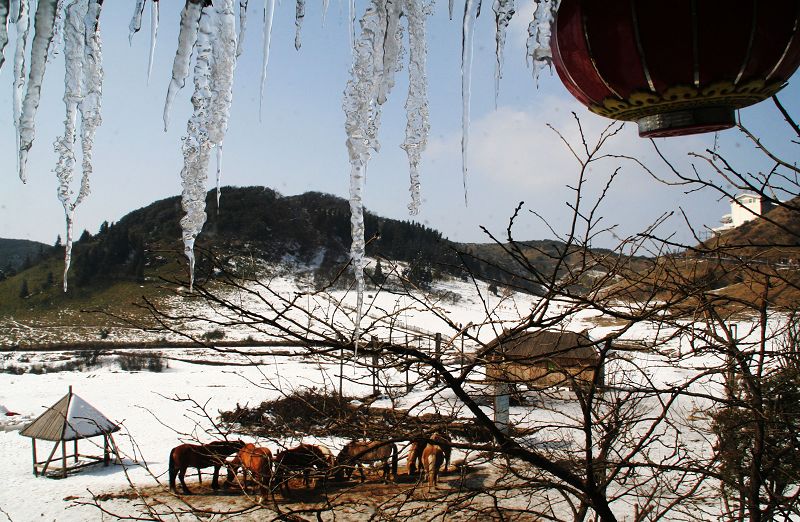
(173, 471)
(394, 460)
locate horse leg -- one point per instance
(215, 477)
(361, 470)
(386, 470)
(181, 477)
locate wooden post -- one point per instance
(49, 459)
(64, 455)
(501, 406)
(375, 366)
(105, 450)
(76, 451)
(437, 354)
(33, 444)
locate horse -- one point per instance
(418, 447)
(255, 461)
(304, 458)
(200, 456)
(432, 457)
(356, 452)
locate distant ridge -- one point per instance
(15, 252)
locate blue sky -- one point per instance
(299, 144)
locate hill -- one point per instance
(16, 253)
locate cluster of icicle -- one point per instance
(208, 31)
(78, 22)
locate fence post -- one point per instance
(437, 354)
(374, 365)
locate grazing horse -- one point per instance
(200, 456)
(254, 461)
(356, 452)
(432, 457)
(418, 447)
(304, 459)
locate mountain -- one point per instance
(16, 253)
(255, 228)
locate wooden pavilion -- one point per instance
(69, 420)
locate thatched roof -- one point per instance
(70, 418)
(541, 345)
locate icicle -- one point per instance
(503, 12)
(43, 35)
(351, 19)
(219, 174)
(3, 30)
(57, 42)
(269, 12)
(136, 20)
(376, 56)
(75, 50)
(466, 81)
(324, 11)
(196, 145)
(299, 14)
(242, 26)
(20, 9)
(224, 64)
(450, 9)
(417, 125)
(190, 22)
(539, 30)
(154, 14)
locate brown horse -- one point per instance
(432, 457)
(304, 459)
(357, 452)
(418, 447)
(254, 461)
(200, 456)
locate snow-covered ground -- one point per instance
(154, 418)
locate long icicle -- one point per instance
(3, 30)
(269, 12)
(196, 145)
(466, 81)
(222, 71)
(43, 34)
(190, 23)
(74, 44)
(154, 15)
(417, 125)
(376, 58)
(503, 12)
(22, 18)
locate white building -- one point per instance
(744, 207)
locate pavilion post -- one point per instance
(105, 450)
(33, 447)
(75, 458)
(49, 459)
(64, 458)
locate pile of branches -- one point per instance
(310, 411)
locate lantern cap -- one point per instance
(682, 123)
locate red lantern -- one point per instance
(678, 67)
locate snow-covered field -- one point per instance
(153, 417)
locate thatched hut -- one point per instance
(543, 359)
(69, 420)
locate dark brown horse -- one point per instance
(304, 459)
(357, 452)
(418, 447)
(200, 456)
(254, 461)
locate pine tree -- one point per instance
(23, 289)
